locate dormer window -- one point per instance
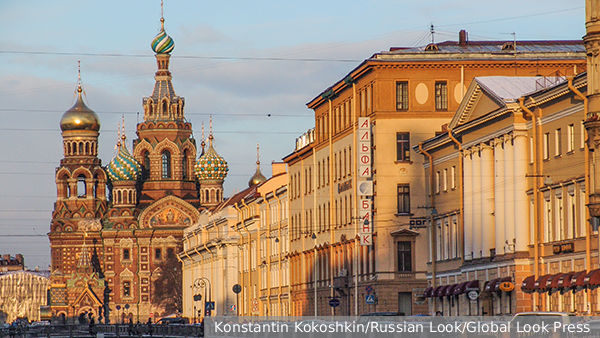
(431, 48)
(508, 46)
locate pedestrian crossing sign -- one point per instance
(370, 299)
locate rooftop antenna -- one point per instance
(432, 31)
(514, 41)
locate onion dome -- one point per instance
(211, 166)
(162, 43)
(123, 167)
(258, 177)
(80, 117)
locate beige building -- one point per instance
(262, 227)
(520, 198)
(345, 171)
(241, 241)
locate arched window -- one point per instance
(165, 108)
(150, 108)
(206, 200)
(184, 167)
(81, 186)
(166, 164)
(146, 167)
(80, 148)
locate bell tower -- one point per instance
(80, 183)
(165, 147)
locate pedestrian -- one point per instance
(149, 324)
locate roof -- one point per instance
(481, 51)
(538, 46)
(508, 88)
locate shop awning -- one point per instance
(564, 281)
(450, 290)
(427, 292)
(500, 281)
(528, 284)
(577, 281)
(442, 291)
(592, 279)
(552, 282)
(491, 285)
(459, 289)
(435, 291)
(472, 286)
(540, 283)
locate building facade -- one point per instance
(357, 165)
(107, 249)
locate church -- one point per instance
(112, 226)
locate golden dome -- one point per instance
(80, 117)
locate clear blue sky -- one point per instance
(216, 66)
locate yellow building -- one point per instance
(357, 165)
(262, 226)
(520, 197)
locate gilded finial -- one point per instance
(123, 134)
(210, 132)
(257, 154)
(79, 89)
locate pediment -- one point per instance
(87, 298)
(169, 211)
(476, 103)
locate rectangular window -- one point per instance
(445, 180)
(557, 142)
(402, 95)
(437, 182)
(402, 147)
(126, 289)
(582, 135)
(169, 253)
(441, 96)
(157, 254)
(404, 256)
(126, 254)
(571, 138)
(403, 199)
(453, 177)
(546, 146)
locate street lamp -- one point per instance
(203, 283)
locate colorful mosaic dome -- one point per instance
(162, 43)
(123, 167)
(211, 166)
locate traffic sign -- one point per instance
(232, 308)
(369, 289)
(209, 306)
(370, 299)
(237, 288)
(334, 302)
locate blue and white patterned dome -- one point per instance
(162, 43)
(123, 167)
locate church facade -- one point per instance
(113, 226)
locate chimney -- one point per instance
(463, 37)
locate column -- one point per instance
(468, 205)
(521, 206)
(476, 215)
(487, 225)
(509, 190)
(499, 182)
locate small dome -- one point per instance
(123, 167)
(79, 117)
(258, 177)
(162, 43)
(211, 166)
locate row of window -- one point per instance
(445, 179)
(166, 165)
(157, 253)
(558, 141)
(441, 95)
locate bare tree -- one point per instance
(168, 292)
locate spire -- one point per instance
(258, 177)
(203, 144)
(79, 116)
(210, 134)
(84, 262)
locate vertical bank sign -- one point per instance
(365, 183)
